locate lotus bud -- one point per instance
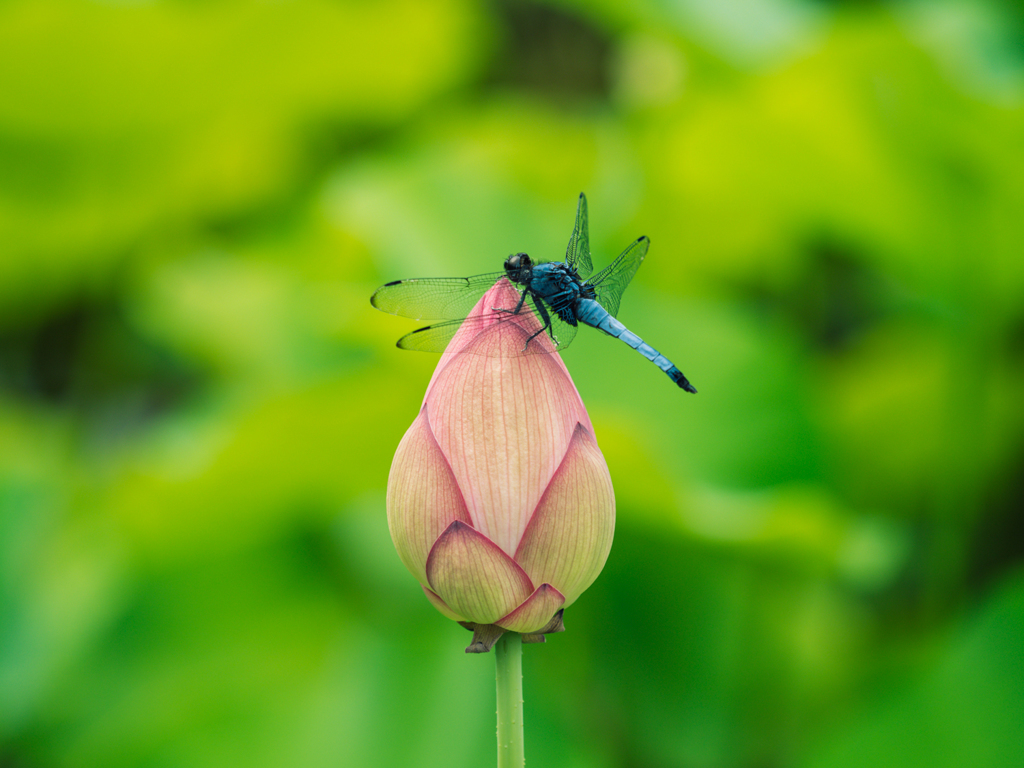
(499, 500)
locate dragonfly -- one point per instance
(557, 294)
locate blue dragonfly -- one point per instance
(557, 294)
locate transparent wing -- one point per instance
(433, 298)
(610, 283)
(577, 255)
(559, 332)
(432, 338)
(518, 329)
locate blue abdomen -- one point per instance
(590, 312)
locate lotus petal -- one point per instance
(441, 605)
(568, 539)
(536, 612)
(423, 498)
(474, 577)
(504, 423)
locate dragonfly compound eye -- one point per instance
(517, 261)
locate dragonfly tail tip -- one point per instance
(681, 381)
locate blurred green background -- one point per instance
(818, 559)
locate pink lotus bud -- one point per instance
(499, 500)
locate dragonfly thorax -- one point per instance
(518, 267)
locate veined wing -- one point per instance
(433, 298)
(610, 283)
(518, 328)
(577, 255)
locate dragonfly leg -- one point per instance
(538, 333)
(519, 306)
(543, 312)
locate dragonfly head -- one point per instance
(517, 267)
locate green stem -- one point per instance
(508, 653)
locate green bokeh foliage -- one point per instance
(817, 559)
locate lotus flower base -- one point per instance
(486, 635)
